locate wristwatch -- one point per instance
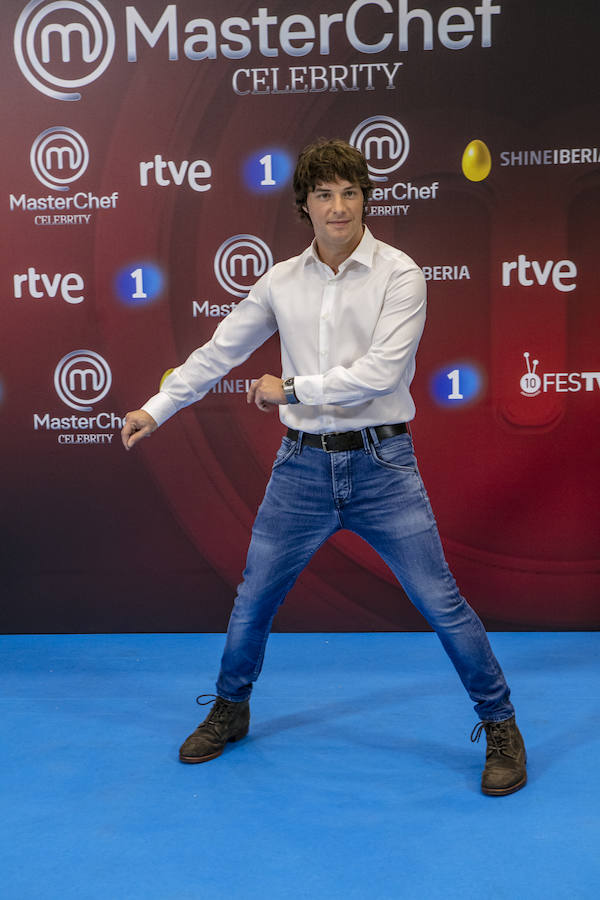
(288, 390)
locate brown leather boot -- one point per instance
(227, 721)
(505, 757)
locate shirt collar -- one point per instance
(362, 254)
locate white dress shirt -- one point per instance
(348, 339)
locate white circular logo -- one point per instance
(59, 156)
(48, 47)
(82, 378)
(240, 261)
(530, 384)
(384, 143)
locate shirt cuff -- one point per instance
(309, 389)
(160, 407)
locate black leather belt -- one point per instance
(345, 440)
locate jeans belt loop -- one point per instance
(299, 442)
(374, 438)
(366, 440)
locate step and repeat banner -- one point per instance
(147, 157)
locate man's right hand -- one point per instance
(138, 425)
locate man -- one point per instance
(350, 311)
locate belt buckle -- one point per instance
(324, 443)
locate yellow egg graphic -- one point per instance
(476, 161)
(166, 375)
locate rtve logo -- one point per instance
(165, 170)
(62, 46)
(561, 272)
(82, 378)
(384, 143)
(240, 261)
(41, 286)
(59, 156)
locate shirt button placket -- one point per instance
(326, 309)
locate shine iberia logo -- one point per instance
(476, 160)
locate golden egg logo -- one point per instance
(476, 161)
(162, 380)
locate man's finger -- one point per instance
(130, 434)
(250, 396)
(136, 427)
(136, 435)
(260, 399)
(126, 432)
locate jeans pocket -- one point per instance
(285, 452)
(395, 453)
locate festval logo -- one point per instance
(239, 261)
(384, 143)
(58, 157)
(82, 378)
(53, 38)
(531, 382)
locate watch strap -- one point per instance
(288, 389)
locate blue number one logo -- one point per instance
(454, 377)
(267, 162)
(138, 277)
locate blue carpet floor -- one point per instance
(357, 780)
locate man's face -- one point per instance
(335, 209)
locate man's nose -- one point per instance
(337, 203)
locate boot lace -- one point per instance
(220, 711)
(497, 736)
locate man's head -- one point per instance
(328, 161)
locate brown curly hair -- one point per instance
(329, 160)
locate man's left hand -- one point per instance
(267, 392)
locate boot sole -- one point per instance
(502, 792)
(201, 759)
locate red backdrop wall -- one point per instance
(148, 152)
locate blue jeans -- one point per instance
(377, 492)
